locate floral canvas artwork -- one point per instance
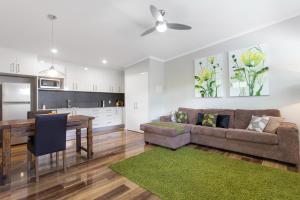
(208, 76)
(249, 71)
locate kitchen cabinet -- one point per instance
(104, 117)
(71, 79)
(93, 79)
(14, 62)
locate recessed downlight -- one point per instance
(104, 61)
(86, 68)
(54, 51)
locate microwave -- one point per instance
(49, 83)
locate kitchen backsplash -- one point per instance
(58, 99)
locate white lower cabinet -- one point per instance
(104, 117)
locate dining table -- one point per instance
(21, 128)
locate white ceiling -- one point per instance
(88, 30)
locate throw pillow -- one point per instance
(223, 121)
(273, 124)
(258, 123)
(199, 119)
(173, 116)
(181, 117)
(209, 120)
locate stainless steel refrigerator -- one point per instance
(16, 102)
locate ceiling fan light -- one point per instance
(161, 27)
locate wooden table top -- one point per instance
(31, 122)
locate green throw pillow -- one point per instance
(209, 120)
(181, 117)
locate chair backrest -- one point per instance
(50, 135)
(33, 114)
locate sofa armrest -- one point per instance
(288, 137)
(166, 118)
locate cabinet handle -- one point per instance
(11, 67)
(18, 68)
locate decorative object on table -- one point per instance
(181, 117)
(52, 72)
(249, 71)
(258, 123)
(208, 76)
(209, 120)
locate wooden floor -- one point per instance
(92, 179)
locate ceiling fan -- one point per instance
(161, 25)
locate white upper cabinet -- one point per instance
(7, 61)
(76, 77)
(93, 79)
(14, 62)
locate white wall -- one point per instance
(283, 41)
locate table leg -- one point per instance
(6, 153)
(78, 139)
(90, 139)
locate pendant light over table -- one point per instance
(52, 72)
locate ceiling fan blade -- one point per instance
(179, 26)
(148, 31)
(156, 13)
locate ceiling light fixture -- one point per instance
(104, 61)
(86, 68)
(51, 72)
(54, 51)
(161, 27)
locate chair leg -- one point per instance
(37, 175)
(64, 161)
(29, 160)
(57, 159)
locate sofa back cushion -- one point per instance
(242, 118)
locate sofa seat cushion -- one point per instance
(170, 129)
(252, 136)
(209, 131)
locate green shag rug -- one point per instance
(190, 173)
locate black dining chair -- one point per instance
(33, 114)
(50, 137)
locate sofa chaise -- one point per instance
(282, 146)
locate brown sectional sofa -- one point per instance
(282, 146)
